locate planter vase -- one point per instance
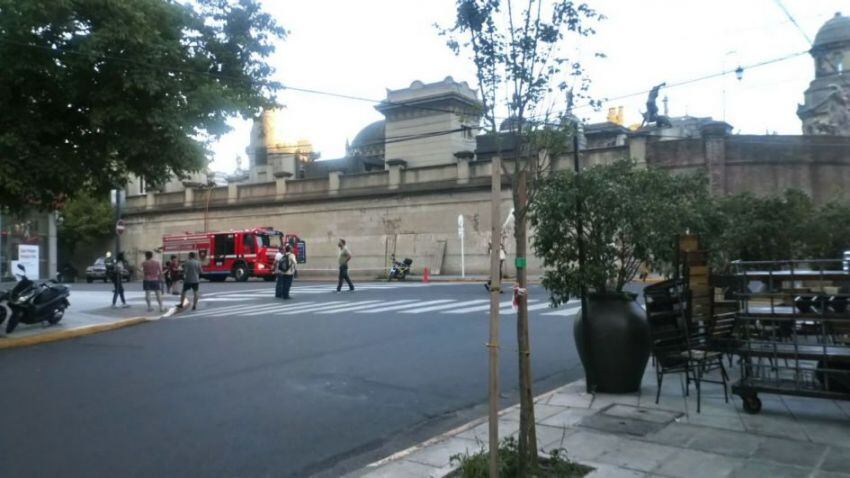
(618, 343)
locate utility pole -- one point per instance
(495, 289)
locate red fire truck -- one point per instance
(240, 254)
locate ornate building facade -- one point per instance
(826, 110)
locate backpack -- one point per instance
(284, 264)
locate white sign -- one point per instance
(119, 227)
(28, 256)
(460, 235)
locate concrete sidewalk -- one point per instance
(631, 436)
(90, 312)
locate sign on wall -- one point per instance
(28, 256)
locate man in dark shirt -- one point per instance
(191, 280)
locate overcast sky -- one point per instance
(362, 48)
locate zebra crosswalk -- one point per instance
(412, 307)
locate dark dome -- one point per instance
(836, 30)
(370, 136)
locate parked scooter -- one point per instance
(399, 270)
(33, 303)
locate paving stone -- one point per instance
(567, 417)
(675, 434)
(625, 426)
(604, 470)
(837, 459)
(640, 413)
(541, 412)
(565, 399)
(774, 423)
(758, 469)
(637, 455)
(588, 445)
(401, 469)
(830, 474)
(481, 433)
(791, 452)
(834, 432)
(731, 422)
(725, 442)
(438, 454)
(602, 400)
(549, 438)
(697, 464)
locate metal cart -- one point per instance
(792, 329)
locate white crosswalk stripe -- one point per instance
(273, 306)
(279, 308)
(444, 306)
(299, 308)
(544, 305)
(246, 311)
(218, 309)
(323, 307)
(510, 309)
(567, 311)
(479, 308)
(366, 306)
(381, 308)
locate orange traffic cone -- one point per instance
(426, 274)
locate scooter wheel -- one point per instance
(56, 317)
(12, 324)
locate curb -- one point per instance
(399, 455)
(10, 343)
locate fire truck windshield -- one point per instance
(264, 240)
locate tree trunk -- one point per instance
(495, 287)
(527, 429)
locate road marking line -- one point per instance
(300, 306)
(544, 305)
(568, 311)
(218, 309)
(240, 312)
(278, 308)
(510, 310)
(479, 308)
(405, 306)
(444, 306)
(310, 310)
(351, 309)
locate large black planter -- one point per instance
(618, 343)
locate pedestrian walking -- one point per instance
(278, 284)
(191, 280)
(118, 281)
(344, 258)
(502, 256)
(172, 275)
(287, 269)
(152, 280)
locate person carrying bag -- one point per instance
(286, 270)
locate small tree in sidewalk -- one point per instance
(523, 72)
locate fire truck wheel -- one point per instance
(240, 272)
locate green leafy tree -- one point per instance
(519, 49)
(84, 219)
(753, 228)
(630, 216)
(96, 90)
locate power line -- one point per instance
(793, 20)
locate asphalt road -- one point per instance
(251, 386)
